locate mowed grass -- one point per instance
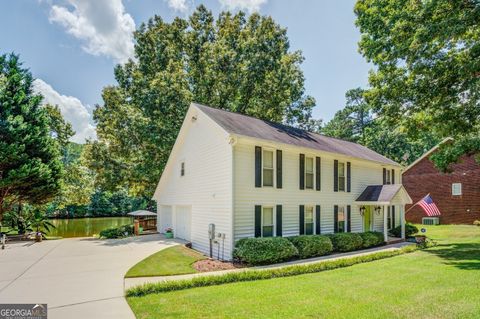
(176, 260)
(441, 282)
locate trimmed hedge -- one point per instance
(312, 245)
(343, 242)
(409, 230)
(372, 239)
(263, 251)
(251, 275)
(120, 232)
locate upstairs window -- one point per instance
(457, 189)
(309, 222)
(341, 177)
(267, 168)
(309, 172)
(267, 222)
(388, 177)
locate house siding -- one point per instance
(424, 178)
(207, 184)
(246, 195)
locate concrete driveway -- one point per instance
(76, 277)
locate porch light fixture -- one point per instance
(362, 210)
(377, 210)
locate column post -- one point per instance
(385, 224)
(402, 220)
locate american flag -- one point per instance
(429, 206)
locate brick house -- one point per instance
(457, 194)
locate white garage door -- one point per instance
(165, 218)
(182, 222)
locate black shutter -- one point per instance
(279, 169)
(335, 218)
(279, 220)
(335, 175)
(393, 217)
(317, 220)
(258, 166)
(384, 176)
(349, 219)
(258, 220)
(317, 173)
(302, 171)
(301, 212)
(348, 176)
(393, 176)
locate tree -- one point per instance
(61, 130)
(30, 166)
(350, 122)
(236, 62)
(427, 64)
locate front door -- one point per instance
(367, 219)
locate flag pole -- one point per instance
(416, 203)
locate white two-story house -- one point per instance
(253, 178)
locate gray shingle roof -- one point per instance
(244, 125)
(379, 193)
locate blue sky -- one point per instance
(71, 46)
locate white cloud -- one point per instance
(179, 5)
(103, 26)
(248, 5)
(71, 108)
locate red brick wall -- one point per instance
(424, 178)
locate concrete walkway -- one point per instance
(76, 277)
(132, 282)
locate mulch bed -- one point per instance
(206, 265)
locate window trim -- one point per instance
(307, 206)
(313, 171)
(274, 220)
(344, 177)
(344, 207)
(460, 190)
(274, 164)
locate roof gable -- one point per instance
(244, 125)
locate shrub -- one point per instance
(262, 251)
(312, 245)
(251, 275)
(476, 223)
(372, 238)
(343, 242)
(120, 232)
(409, 230)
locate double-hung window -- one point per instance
(341, 177)
(309, 221)
(309, 172)
(341, 219)
(267, 222)
(267, 168)
(388, 177)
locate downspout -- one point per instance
(232, 141)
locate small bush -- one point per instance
(262, 251)
(409, 230)
(312, 245)
(476, 223)
(120, 232)
(372, 239)
(343, 242)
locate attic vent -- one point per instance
(430, 221)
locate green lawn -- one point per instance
(441, 282)
(176, 260)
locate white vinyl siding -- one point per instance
(246, 196)
(206, 186)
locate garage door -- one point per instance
(165, 218)
(182, 222)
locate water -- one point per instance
(85, 227)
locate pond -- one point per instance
(85, 227)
